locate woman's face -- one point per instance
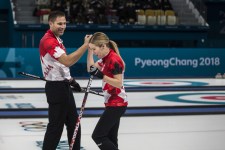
(100, 52)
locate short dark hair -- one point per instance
(54, 14)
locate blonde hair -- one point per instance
(100, 38)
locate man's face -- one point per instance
(58, 26)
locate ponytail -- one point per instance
(100, 38)
(114, 46)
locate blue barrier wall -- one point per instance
(5, 21)
(28, 35)
(4, 4)
(140, 62)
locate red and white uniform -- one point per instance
(51, 48)
(112, 65)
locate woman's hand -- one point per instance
(96, 72)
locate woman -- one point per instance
(110, 68)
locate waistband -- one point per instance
(66, 80)
(116, 104)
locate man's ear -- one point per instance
(50, 23)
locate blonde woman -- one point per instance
(110, 68)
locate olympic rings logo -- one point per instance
(63, 145)
(33, 126)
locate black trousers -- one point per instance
(62, 111)
(105, 133)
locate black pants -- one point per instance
(62, 110)
(106, 131)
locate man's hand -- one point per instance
(96, 72)
(75, 86)
(87, 38)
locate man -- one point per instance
(55, 67)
